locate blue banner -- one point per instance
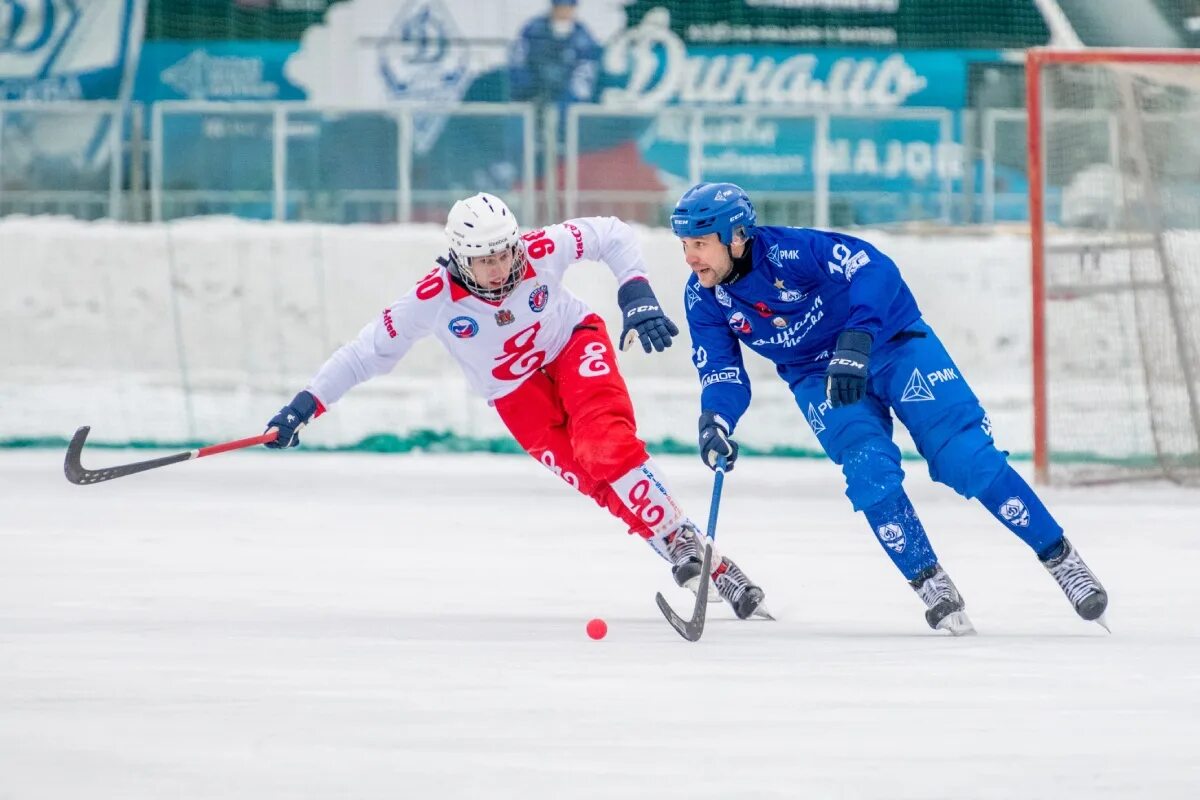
(649, 65)
(203, 70)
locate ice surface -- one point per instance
(291, 625)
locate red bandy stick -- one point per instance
(81, 476)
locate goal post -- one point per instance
(1114, 204)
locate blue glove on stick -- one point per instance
(715, 441)
(290, 418)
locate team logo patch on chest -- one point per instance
(505, 317)
(539, 297)
(464, 327)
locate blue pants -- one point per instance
(914, 377)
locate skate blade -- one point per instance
(958, 624)
(694, 587)
(1102, 622)
(762, 613)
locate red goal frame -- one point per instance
(1035, 60)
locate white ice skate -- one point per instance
(1079, 584)
(946, 610)
(733, 585)
(686, 554)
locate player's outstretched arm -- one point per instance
(378, 347)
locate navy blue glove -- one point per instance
(715, 441)
(846, 375)
(291, 417)
(642, 317)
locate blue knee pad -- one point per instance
(968, 464)
(960, 451)
(873, 473)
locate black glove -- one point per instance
(846, 375)
(643, 318)
(715, 441)
(290, 417)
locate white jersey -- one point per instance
(498, 345)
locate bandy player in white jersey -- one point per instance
(544, 360)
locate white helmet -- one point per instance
(482, 225)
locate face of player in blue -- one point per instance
(562, 20)
(709, 258)
(491, 272)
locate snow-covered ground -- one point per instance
(291, 625)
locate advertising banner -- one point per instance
(895, 24)
(868, 63)
(205, 70)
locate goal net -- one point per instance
(1115, 212)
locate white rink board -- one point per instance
(293, 625)
(201, 329)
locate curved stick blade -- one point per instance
(81, 476)
(691, 629)
(74, 470)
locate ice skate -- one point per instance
(686, 553)
(1078, 583)
(946, 609)
(734, 587)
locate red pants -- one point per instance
(574, 415)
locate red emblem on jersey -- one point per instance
(519, 357)
(505, 317)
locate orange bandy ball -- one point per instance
(597, 628)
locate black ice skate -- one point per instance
(1078, 583)
(683, 548)
(735, 588)
(946, 608)
(686, 552)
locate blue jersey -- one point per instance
(804, 288)
(546, 68)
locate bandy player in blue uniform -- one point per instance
(844, 331)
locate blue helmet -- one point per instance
(719, 208)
